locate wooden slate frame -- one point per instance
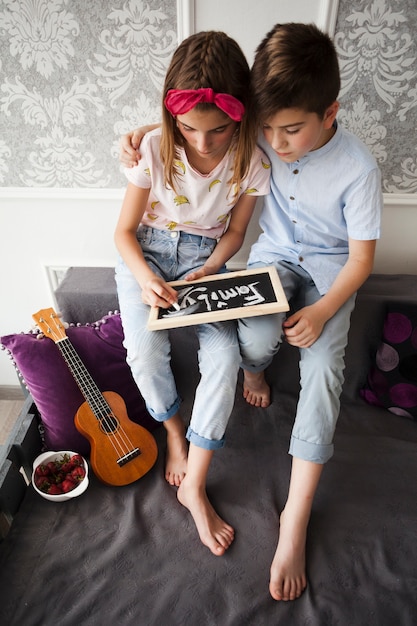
(258, 292)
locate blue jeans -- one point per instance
(321, 365)
(172, 255)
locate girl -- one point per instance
(186, 209)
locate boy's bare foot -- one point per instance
(176, 458)
(256, 390)
(213, 531)
(288, 578)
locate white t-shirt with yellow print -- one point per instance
(201, 204)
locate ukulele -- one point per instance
(121, 450)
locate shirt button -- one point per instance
(292, 198)
(174, 234)
(301, 259)
(296, 171)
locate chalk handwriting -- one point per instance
(199, 298)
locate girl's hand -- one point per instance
(156, 292)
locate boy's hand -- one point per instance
(304, 327)
(200, 273)
(156, 292)
(129, 145)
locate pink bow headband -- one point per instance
(180, 101)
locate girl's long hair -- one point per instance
(209, 59)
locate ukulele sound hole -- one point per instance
(109, 424)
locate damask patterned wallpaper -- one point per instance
(74, 76)
(377, 48)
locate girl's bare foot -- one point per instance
(255, 389)
(176, 458)
(288, 578)
(213, 531)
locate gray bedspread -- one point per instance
(131, 555)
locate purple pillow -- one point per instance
(53, 388)
(392, 379)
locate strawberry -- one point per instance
(66, 467)
(78, 473)
(67, 485)
(77, 459)
(42, 483)
(42, 470)
(54, 490)
(51, 466)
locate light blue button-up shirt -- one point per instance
(316, 204)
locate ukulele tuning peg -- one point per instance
(64, 324)
(40, 336)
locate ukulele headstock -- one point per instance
(50, 324)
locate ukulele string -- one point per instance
(98, 404)
(119, 439)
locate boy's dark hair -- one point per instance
(295, 66)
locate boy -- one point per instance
(320, 224)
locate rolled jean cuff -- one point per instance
(255, 369)
(313, 452)
(202, 442)
(163, 417)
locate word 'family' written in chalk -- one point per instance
(214, 299)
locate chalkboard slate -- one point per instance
(222, 297)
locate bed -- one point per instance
(131, 555)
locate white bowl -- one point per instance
(45, 458)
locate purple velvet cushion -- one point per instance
(392, 379)
(53, 388)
